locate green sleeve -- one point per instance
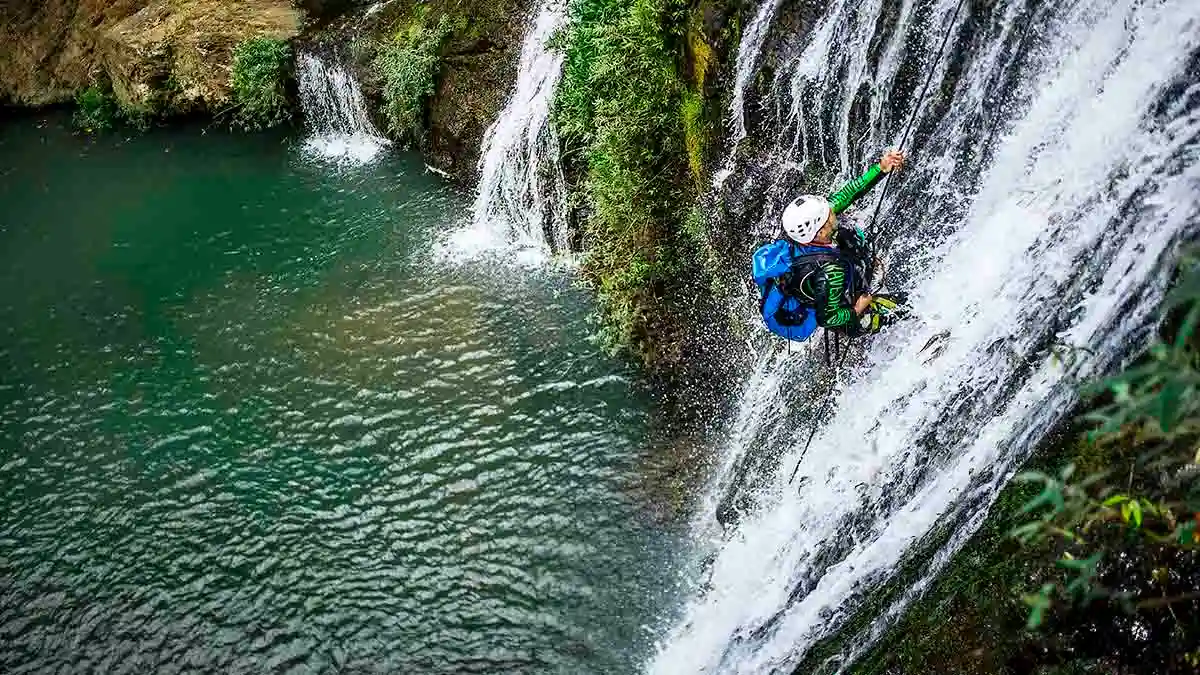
(842, 199)
(835, 283)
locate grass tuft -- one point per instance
(408, 63)
(259, 82)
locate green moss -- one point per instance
(408, 63)
(99, 109)
(95, 109)
(971, 620)
(259, 83)
(696, 128)
(695, 132)
(618, 111)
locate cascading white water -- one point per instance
(340, 124)
(521, 196)
(1059, 228)
(747, 62)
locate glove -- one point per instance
(860, 236)
(872, 323)
(893, 304)
(884, 310)
(852, 241)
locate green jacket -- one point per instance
(833, 304)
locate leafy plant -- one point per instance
(96, 110)
(1152, 417)
(620, 109)
(259, 83)
(408, 64)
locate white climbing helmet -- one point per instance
(803, 218)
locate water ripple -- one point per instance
(272, 438)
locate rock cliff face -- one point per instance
(166, 57)
(475, 76)
(163, 56)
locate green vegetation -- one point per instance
(96, 109)
(259, 82)
(633, 127)
(408, 64)
(1088, 562)
(696, 129)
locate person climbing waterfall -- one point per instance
(816, 273)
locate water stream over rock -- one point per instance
(521, 198)
(1053, 172)
(335, 112)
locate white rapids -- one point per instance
(1062, 230)
(340, 126)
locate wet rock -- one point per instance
(161, 56)
(476, 72)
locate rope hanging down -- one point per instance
(912, 117)
(875, 215)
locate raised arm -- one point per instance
(843, 198)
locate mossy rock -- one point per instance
(474, 73)
(176, 56)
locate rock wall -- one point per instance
(165, 56)
(475, 76)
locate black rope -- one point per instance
(837, 353)
(826, 404)
(800, 461)
(904, 138)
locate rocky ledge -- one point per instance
(160, 56)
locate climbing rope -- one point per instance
(912, 117)
(874, 247)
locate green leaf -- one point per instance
(1038, 603)
(1116, 499)
(1135, 513)
(1187, 533)
(1071, 563)
(1026, 532)
(1067, 472)
(1087, 564)
(1051, 495)
(1169, 399)
(1036, 617)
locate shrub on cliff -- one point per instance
(259, 83)
(618, 111)
(1122, 518)
(408, 64)
(96, 110)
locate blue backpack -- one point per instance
(784, 315)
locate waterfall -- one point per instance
(340, 124)
(1053, 172)
(521, 198)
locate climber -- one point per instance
(815, 274)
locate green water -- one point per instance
(251, 421)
